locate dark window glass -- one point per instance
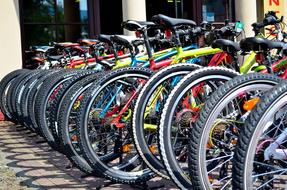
(39, 11)
(40, 34)
(54, 21)
(216, 10)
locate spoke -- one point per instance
(218, 158)
(271, 179)
(228, 182)
(219, 165)
(264, 164)
(267, 173)
(220, 142)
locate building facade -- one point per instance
(38, 22)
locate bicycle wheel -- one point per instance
(29, 92)
(4, 86)
(148, 107)
(214, 136)
(46, 101)
(12, 92)
(179, 115)
(31, 116)
(260, 156)
(21, 93)
(66, 121)
(104, 126)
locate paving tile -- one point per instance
(43, 168)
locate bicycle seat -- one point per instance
(105, 38)
(171, 22)
(38, 59)
(66, 44)
(226, 45)
(55, 57)
(137, 42)
(88, 42)
(133, 25)
(254, 44)
(123, 40)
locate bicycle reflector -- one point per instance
(168, 33)
(138, 34)
(259, 57)
(249, 105)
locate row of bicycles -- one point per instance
(164, 104)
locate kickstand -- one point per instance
(145, 186)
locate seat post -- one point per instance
(148, 48)
(177, 39)
(269, 62)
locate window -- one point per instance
(217, 10)
(46, 21)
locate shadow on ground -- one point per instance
(43, 168)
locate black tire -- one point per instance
(12, 93)
(30, 120)
(211, 76)
(45, 103)
(55, 104)
(142, 146)
(99, 163)
(22, 107)
(21, 92)
(5, 83)
(207, 121)
(257, 121)
(66, 117)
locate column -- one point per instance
(133, 10)
(10, 38)
(246, 12)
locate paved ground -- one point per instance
(27, 162)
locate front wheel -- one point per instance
(261, 154)
(104, 126)
(213, 139)
(179, 115)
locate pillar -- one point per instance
(133, 10)
(246, 12)
(10, 38)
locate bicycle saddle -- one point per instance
(105, 38)
(88, 42)
(226, 45)
(66, 44)
(55, 57)
(123, 40)
(133, 25)
(259, 44)
(171, 22)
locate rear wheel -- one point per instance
(215, 134)
(261, 154)
(4, 86)
(104, 121)
(66, 121)
(179, 116)
(149, 106)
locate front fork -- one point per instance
(273, 152)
